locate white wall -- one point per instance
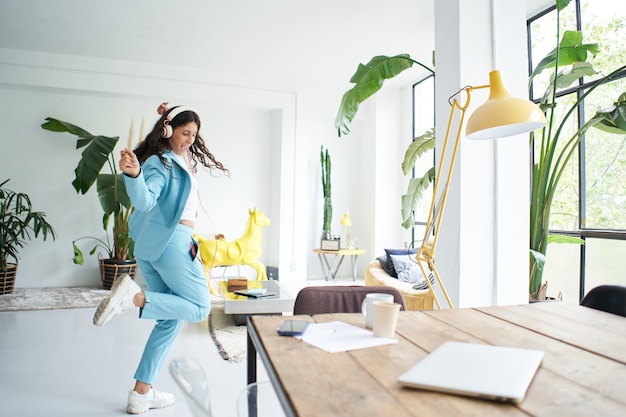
(252, 132)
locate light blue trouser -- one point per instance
(177, 292)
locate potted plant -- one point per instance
(113, 199)
(554, 145)
(18, 223)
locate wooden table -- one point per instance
(330, 268)
(583, 372)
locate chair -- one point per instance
(376, 275)
(257, 399)
(339, 299)
(609, 298)
(192, 380)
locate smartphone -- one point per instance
(293, 328)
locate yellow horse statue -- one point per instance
(243, 251)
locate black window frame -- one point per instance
(582, 232)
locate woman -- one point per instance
(159, 179)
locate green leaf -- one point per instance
(565, 239)
(78, 255)
(540, 258)
(368, 79)
(571, 50)
(55, 125)
(112, 193)
(418, 147)
(105, 221)
(94, 156)
(565, 79)
(561, 4)
(93, 159)
(414, 194)
(570, 76)
(613, 119)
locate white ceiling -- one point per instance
(315, 40)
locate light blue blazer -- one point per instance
(159, 196)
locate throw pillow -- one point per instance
(407, 268)
(384, 263)
(421, 284)
(390, 252)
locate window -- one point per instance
(591, 198)
(423, 120)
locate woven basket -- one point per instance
(7, 279)
(111, 269)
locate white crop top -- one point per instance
(191, 206)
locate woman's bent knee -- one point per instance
(201, 314)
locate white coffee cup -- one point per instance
(385, 318)
(366, 305)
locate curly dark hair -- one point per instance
(156, 144)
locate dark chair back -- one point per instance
(339, 299)
(609, 298)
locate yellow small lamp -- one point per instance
(347, 222)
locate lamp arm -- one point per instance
(436, 210)
(426, 252)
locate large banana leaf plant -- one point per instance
(367, 80)
(112, 194)
(553, 147)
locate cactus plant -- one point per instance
(328, 205)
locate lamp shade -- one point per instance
(346, 220)
(502, 114)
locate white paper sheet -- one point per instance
(337, 336)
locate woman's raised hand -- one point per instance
(129, 164)
(163, 107)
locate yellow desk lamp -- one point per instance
(500, 116)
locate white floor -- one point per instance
(57, 363)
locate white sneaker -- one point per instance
(119, 302)
(138, 403)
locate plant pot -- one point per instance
(327, 235)
(7, 279)
(111, 269)
(542, 295)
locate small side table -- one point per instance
(330, 268)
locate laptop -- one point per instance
(495, 373)
(255, 293)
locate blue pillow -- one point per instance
(407, 268)
(391, 252)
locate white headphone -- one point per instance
(167, 129)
